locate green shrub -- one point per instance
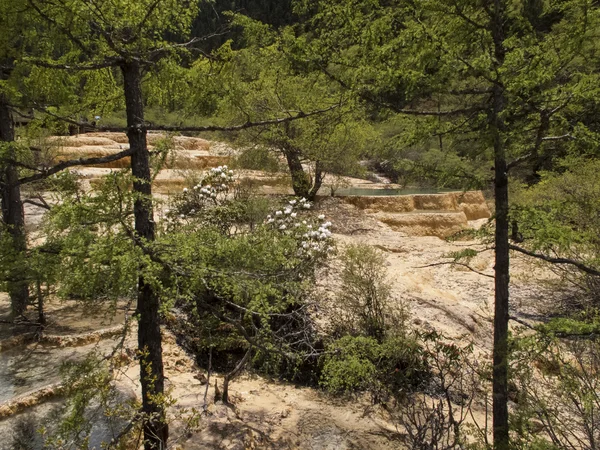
(362, 363)
(350, 366)
(364, 302)
(257, 158)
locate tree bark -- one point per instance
(231, 375)
(319, 175)
(301, 183)
(501, 267)
(12, 213)
(156, 430)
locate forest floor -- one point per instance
(268, 414)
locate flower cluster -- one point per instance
(313, 237)
(211, 190)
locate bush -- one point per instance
(257, 158)
(361, 363)
(364, 303)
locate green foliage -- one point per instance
(364, 300)
(351, 366)
(93, 406)
(257, 158)
(582, 324)
(242, 282)
(362, 363)
(558, 217)
(463, 255)
(557, 392)
(89, 233)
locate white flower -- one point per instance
(185, 190)
(278, 213)
(282, 227)
(292, 202)
(293, 216)
(192, 211)
(305, 245)
(167, 211)
(321, 217)
(231, 172)
(223, 175)
(306, 206)
(182, 216)
(288, 210)
(270, 220)
(224, 167)
(269, 216)
(296, 225)
(304, 222)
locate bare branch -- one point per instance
(572, 262)
(175, 128)
(45, 173)
(455, 263)
(558, 138)
(110, 62)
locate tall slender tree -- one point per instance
(130, 36)
(10, 191)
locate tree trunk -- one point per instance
(231, 375)
(12, 214)
(501, 267)
(300, 179)
(319, 175)
(156, 430)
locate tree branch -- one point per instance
(455, 263)
(45, 173)
(572, 262)
(175, 128)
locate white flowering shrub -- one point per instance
(313, 237)
(244, 282)
(212, 190)
(210, 202)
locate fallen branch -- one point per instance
(458, 264)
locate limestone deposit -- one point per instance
(438, 215)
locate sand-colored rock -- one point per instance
(425, 214)
(440, 224)
(471, 202)
(384, 203)
(29, 400)
(114, 140)
(81, 140)
(120, 138)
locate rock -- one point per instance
(201, 378)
